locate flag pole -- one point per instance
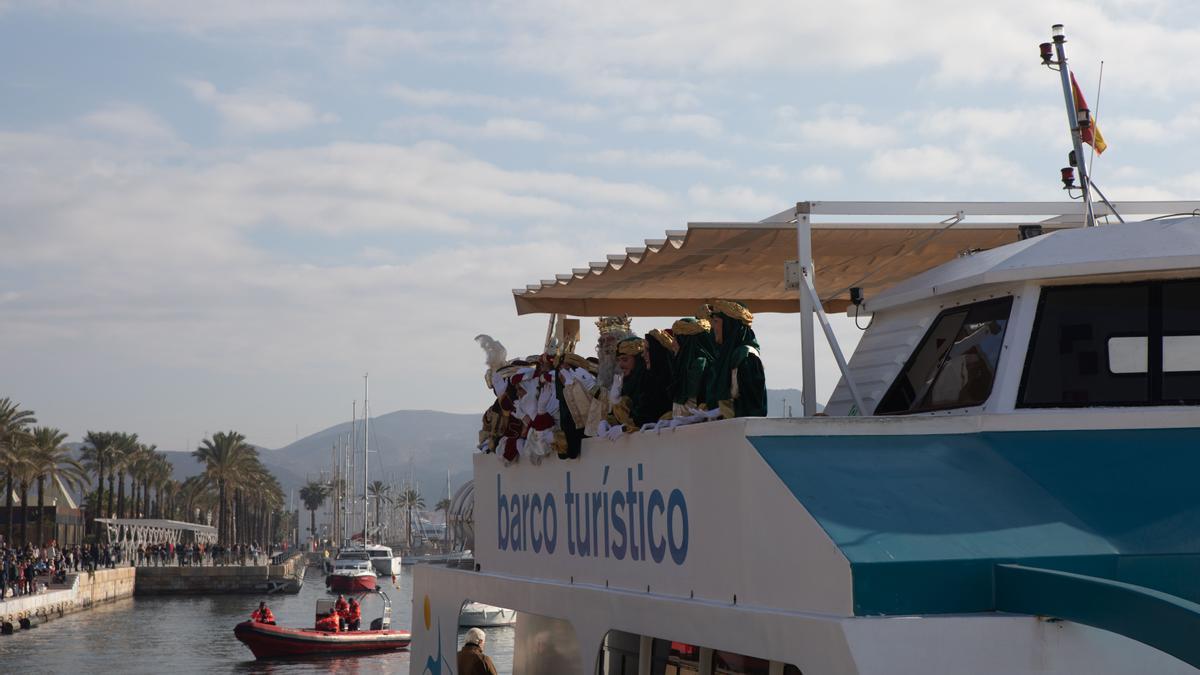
(1073, 120)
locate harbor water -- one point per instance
(194, 634)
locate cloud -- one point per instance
(215, 15)
(736, 202)
(833, 126)
(223, 269)
(257, 112)
(705, 126)
(131, 122)
(651, 159)
(445, 98)
(492, 129)
(695, 40)
(820, 174)
(941, 165)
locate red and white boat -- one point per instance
(352, 573)
(267, 640)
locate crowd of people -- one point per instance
(703, 367)
(27, 569)
(189, 555)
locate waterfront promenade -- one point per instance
(284, 577)
(85, 589)
(82, 591)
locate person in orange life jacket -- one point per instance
(353, 615)
(328, 623)
(263, 614)
(340, 609)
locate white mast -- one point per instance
(348, 486)
(366, 449)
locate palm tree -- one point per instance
(409, 499)
(14, 424)
(98, 452)
(380, 491)
(226, 456)
(53, 462)
(313, 496)
(126, 455)
(192, 495)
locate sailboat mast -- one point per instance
(348, 488)
(366, 449)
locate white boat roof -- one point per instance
(1147, 246)
(674, 275)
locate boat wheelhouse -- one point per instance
(1002, 481)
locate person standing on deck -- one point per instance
(627, 410)
(695, 355)
(471, 659)
(660, 375)
(738, 386)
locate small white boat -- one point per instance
(479, 615)
(386, 563)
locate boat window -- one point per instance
(1181, 341)
(1115, 344)
(954, 366)
(619, 656)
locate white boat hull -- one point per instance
(478, 615)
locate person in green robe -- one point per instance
(694, 357)
(738, 385)
(626, 412)
(659, 358)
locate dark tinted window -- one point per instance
(955, 364)
(1119, 344)
(1069, 353)
(1181, 341)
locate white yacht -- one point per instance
(1003, 480)
(387, 563)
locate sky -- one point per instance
(220, 215)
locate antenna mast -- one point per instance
(1074, 119)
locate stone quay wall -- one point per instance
(85, 591)
(282, 578)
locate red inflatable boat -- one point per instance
(267, 641)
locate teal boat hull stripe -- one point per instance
(924, 519)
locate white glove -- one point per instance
(615, 432)
(602, 428)
(649, 426)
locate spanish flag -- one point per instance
(1091, 135)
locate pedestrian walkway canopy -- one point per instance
(153, 531)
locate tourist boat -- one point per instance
(352, 572)
(272, 641)
(1003, 479)
(479, 615)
